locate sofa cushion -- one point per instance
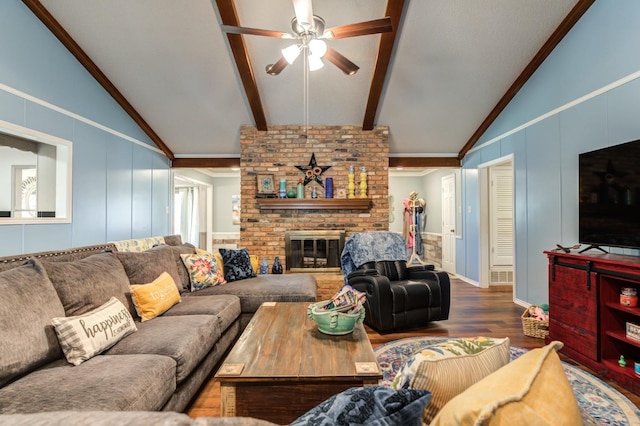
(449, 368)
(237, 264)
(98, 418)
(254, 292)
(187, 339)
(146, 266)
(86, 284)
(203, 270)
(370, 405)
(183, 273)
(226, 308)
(125, 418)
(28, 302)
(110, 383)
(533, 389)
(155, 298)
(83, 336)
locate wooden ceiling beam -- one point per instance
(67, 41)
(426, 162)
(205, 162)
(229, 16)
(565, 26)
(385, 50)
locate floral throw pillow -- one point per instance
(203, 270)
(237, 264)
(370, 405)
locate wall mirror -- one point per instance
(35, 176)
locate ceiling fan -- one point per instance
(309, 33)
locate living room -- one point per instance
(584, 96)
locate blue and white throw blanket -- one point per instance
(371, 246)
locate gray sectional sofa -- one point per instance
(159, 367)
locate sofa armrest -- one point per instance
(379, 303)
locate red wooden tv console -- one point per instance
(585, 312)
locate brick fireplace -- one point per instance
(278, 150)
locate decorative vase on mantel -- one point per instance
(277, 266)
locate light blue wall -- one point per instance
(599, 51)
(121, 189)
(400, 186)
(223, 189)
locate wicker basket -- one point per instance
(534, 327)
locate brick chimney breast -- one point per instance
(279, 149)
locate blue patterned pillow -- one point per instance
(370, 405)
(237, 264)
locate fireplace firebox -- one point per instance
(314, 251)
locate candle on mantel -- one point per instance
(283, 188)
(328, 188)
(363, 182)
(351, 186)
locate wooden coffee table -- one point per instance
(282, 366)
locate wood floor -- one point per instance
(474, 312)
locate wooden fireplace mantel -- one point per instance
(314, 203)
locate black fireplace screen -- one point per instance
(313, 251)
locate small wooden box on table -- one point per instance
(282, 366)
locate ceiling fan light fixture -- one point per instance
(315, 62)
(291, 53)
(317, 48)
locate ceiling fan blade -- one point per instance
(304, 13)
(376, 26)
(275, 69)
(254, 31)
(340, 61)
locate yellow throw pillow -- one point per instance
(155, 298)
(449, 368)
(531, 390)
(255, 263)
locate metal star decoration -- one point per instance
(312, 171)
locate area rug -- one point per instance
(601, 401)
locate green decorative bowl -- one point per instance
(333, 322)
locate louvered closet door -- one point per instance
(501, 216)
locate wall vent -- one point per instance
(501, 277)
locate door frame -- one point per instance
(209, 201)
(455, 221)
(484, 192)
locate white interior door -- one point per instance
(449, 223)
(501, 216)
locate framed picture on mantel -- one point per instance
(266, 185)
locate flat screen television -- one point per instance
(609, 204)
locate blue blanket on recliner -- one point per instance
(372, 246)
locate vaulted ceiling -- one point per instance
(438, 79)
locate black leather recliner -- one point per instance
(401, 297)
